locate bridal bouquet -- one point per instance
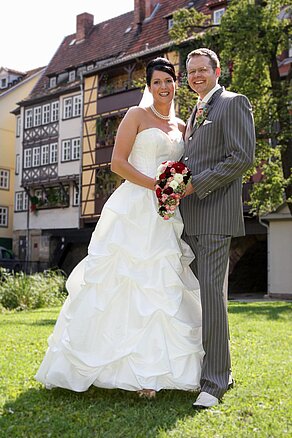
(172, 178)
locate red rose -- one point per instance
(162, 176)
(158, 192)
(168, 190)
(178, 166)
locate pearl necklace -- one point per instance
(161, 116)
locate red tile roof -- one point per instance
(112, 39)
(154, 31)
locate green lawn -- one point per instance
(258, 406)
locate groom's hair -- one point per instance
(160, 64)
(205, 52)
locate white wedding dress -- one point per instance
(132, 319)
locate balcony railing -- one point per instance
(105, 89)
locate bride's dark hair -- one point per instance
(160, 64)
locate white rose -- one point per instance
(173, 184)
(178, 177)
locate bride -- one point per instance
(132, 318)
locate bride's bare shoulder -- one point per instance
(136, 113)
(181, 125)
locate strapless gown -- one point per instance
(132, 318)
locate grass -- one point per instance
(258, 406)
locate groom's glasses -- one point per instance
(200, 70)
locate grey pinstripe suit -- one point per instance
(218, 152)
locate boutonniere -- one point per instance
(201, 115)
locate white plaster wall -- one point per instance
(68, 129)
(280, 256)
(48, 219)
(20, 221)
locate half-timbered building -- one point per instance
(69, 125)
(14, 86)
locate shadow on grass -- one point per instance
(96, 412)
(41, 322)
(275, 310)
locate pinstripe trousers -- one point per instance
(209, 266)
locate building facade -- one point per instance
(14, 86)
(69, 123)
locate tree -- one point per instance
(250, 39)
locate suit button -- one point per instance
(190, 138)
(186, 158)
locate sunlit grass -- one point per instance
(258, 406)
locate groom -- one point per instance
(220, 144)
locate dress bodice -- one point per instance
(153, 146)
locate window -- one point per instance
(25, 201)
(4, 179)
(3, 216)
(76, 196)
(217, 15)
(53, 82)
(38, 193)
(18, 126)
(36, 155)
(27, 158)
(71, 149)
(17, 164)
(75, 148)
(77, 105)
(53, 153)
(46, 114)
(18, 201)
(72, 107)
(3, 83)
(28, 118)
(55, 112)
(170, 23)
(37, 116)
(45, 155)
(21, 201)
(72, 75)
(67, 108)
(66, 150)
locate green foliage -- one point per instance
(258, 406)
(189, 24)
(21, 291)
(251, 36)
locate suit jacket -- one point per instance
(218, 152)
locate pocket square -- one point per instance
(206, 122)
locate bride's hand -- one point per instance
(153, 185)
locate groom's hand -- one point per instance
(189, 190)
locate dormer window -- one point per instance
(169, 23)
(53, 82)
(217, 15)
(72, 75)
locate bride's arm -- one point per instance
(125, 138)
